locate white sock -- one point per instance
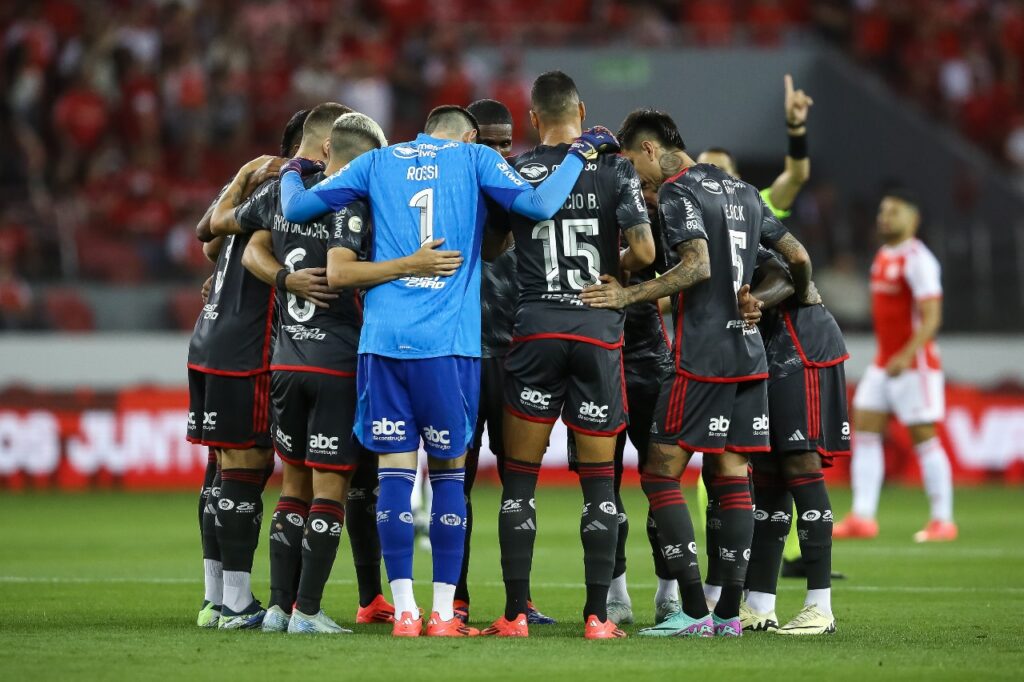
(712, 592)
(938, 477)
(867, 470)
(403, 598)
(213, 579)
(668, 590)
(444, 600)
(237, 590)
(618, 591)
(820, 598)
(762, 602)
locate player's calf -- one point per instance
(239, 517)
(729, 493)
(674, 529)
(814, 527)
(772, 521)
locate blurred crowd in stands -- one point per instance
(122, 118)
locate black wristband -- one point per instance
(282, 275)
(797, 147)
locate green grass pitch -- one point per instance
(107, 586)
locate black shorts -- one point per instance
(313, 418)
(226, 412)
(643, 384)
(809, 412)
(492, 406)
(581, 381)
(712, 417)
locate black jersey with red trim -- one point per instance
(703, 202)
(797, 336)
(233, 333)
(559, 257)
(645, 338)
(311, 338)
(498, 298)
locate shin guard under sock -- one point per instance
(319, 549)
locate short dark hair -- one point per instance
(450, 117)
(490, 112)
(650, 123)
(322, 117)
(554, 94)
(903, 193)
(293, 132)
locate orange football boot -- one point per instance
(449, 628)
(407, 626)
(937, 531)
(855, 527)
(595, 629)
(517, 627)
(377, 611)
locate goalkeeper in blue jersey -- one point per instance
(418, 373)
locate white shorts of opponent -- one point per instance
(917, 396)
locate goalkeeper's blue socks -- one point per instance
(448, 523)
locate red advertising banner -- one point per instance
(135, 438)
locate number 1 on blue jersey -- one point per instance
(424, 201)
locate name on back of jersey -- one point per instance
(315, 229)
(579, 201)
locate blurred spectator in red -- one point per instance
(79, 119)
(713, 21)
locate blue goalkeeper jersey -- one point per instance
(419, 191)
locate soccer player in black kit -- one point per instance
(566, 358)
(809, 426)
(717, 402)
(497, 311)
(647, 364)
(313, 395)
(228, 370)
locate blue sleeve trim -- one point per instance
(298, 204)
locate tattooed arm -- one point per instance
(640, 252)
(223, 221)
(694, 267)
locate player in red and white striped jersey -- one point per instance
(906, 377)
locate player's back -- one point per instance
(901, 276)
(795, 335)
(558, 258)
(712, 341)
(420, 191)
(233, 332)
(309, 336)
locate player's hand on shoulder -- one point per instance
(430, 261)
(311, 284)
(750, 306)
(811, 296)
(608, 294)
(267, 170)
(594, 141)
(798, 104)
(302, 166)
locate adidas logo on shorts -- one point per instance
(797, 435)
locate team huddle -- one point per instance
(369, 300)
